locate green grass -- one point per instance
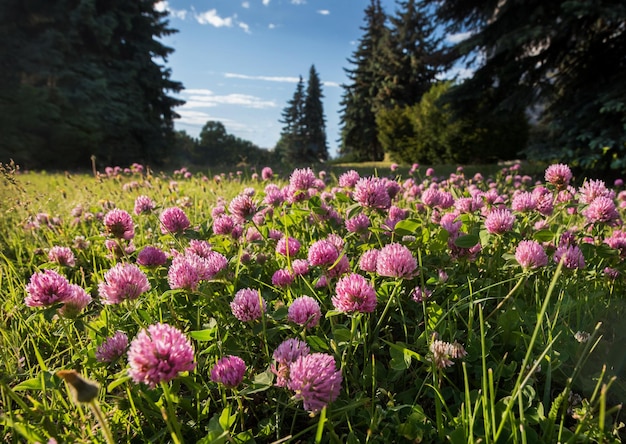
(526, 377)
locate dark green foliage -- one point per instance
(291, 145)
(359, 103)
(314, 120)
(429, 132)
(412, 54)
(394, 65)
(82, 78)
(565, 58)
(303, 138)
(216, 147)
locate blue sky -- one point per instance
(239, 60)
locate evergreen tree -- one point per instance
(413, 55)
(360, 99)
(292, 141)
(564, 57)
(82, 78)
(314, 120)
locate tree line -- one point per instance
(548, 82)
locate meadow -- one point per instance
(405, 305)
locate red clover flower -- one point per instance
(113, 347)
(315, 380)
(158, 354)
(228, 371)
(248, 305)
(123, 281)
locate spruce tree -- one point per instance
(83, 78)
(314, 120)
(360, 98)
(292, 144)
(565, 58)
(413, 55)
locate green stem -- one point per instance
(170, 417)
(106, 431)
(320, 426)
(386, 309)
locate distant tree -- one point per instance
(83, 78)
(217, 147)
(565, 58)
(360, 102)
(185, 149)
(314, 119)
(293, 136)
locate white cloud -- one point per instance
(298, 2)
(271, 26)
(189, 117)
(245, 27)
(164, 6)
(331, 84)
(456, 38)
(204, 98)
(210, 17)
(323, 12)
(232, 75)
(266, 2)
(245, 5)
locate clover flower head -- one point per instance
(571, 255)
(315, 380)
(47, 288)
(288, 246)
(75, 302)
(174, 220)
(122, 282)
(62, 256)
(371, 192)
(304, 311)
(287, 352)
(396, 260)
(558, 175)
(113, 347)
(151, 257)
(119, 224)
(354, 294)
(499, 221)
(229, 371)
(248, 305)
(143, 205)
(158, 354)
(530, 254)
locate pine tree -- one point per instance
(82, 78)
(292, 143)
(359, 101)
(564, 57)
(413, 55)
(314, 120)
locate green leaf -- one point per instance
(317, 344)
(467, 241)
(341, 334)
(399, 360)
(262, 381)
(117, 383)
(543, 236)
(29, 384)
(226, 419)
(204, 335)
(407, 227)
